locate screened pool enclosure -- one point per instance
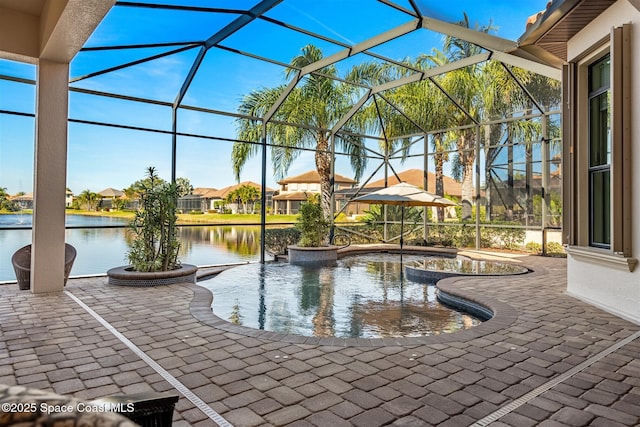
(250, 90)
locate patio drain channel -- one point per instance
(199, 403)
(552, 383)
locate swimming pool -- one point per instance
(362, 296)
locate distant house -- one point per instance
(410, 176)
(68, 200)
(107, 198)
(111, 193)
(296, 189)
(209, 196)
(24, 201)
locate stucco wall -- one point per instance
(613, 289)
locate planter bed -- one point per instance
(126, 276)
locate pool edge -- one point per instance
(503, 316)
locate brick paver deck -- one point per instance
(523, 358)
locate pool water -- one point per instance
(362, 296)
(470, 267)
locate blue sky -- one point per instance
(101, 157)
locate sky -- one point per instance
(100, 157)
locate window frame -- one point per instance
(594, 171)
(576, 128)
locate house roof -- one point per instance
(111, 192)
(206, 192)
(416, 177)
(27, 196)
(222, 193)
(298, 195)
(313, 177)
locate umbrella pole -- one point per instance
(401, 228)
(401, 236)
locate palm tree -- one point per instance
(464, 86)
(415, 106)
(316, 103)
(488, 91)
(432, 110)
(249, 194)
(243, 195)
(501, 97)
(88, 200)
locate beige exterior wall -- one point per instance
(616, 290)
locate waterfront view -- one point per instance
(103, 244)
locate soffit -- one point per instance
(47, 29)
(561, 21)
(30, 7)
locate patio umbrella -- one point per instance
(404, 194)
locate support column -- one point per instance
(544, 146)
(50, 177)
(425, 183)
(263, 195)
(477, 195)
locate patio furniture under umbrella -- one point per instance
(404, 194)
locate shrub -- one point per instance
(276, 240)
(510, 238)
(533, 247)
(341, 217)
(311, 222)
(555, 248)
(155, 245)
(196, 213)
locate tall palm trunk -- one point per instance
(467, 158)
(439, 159)
(323, 166)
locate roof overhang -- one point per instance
(547, 37)
(48, 29)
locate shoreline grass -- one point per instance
(206, 218)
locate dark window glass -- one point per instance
(601, 208)
(600, 154)
(599, 74)
(600, 132)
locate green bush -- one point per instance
(341, 217)
(555, 248)
(312, 224)
(533, 247)
(510, 238)
(155, 245)
(196, 213)
(276, 240)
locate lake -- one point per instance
(100, 249)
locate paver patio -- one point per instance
(528, 357)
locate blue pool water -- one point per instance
(363, 296)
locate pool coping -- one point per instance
(503, 316)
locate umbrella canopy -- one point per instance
(406, 195)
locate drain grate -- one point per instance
(494, 416)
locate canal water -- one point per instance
(100, 249)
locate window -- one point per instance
(597, 218)
(600, 153)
